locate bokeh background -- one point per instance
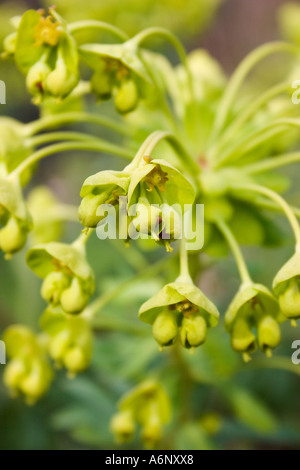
(233, 406)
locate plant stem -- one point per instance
(272, 163)
(153, 140)
(99, 146)
(57, 136)
(172, 39)
(255, 139)
(239, 76)
(240, 261)
(184, 264)
(47, 122)
(247, 113)
(95, 24)
(147, 271)
(278, 200)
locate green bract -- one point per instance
(179, 306)
(286, 287)
(28, 371)
(44, 209)
(70, 339)
(118, 72)
(47, 55)
(12, 148)
(147, 405)
(104, 187)
(251, 309)
(68, 278)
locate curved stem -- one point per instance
(237, 253)
(83, 238)
(239, 76)
(272, 163)
(95, 24)
(257, 138)
(75, 117)
(278, 200)
(247, 113)
(174, 41)
(153, 140)
(147, 271)
(271, 205)
(99, 146)
(57, 136)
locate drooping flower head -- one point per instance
(68, 278)
(28, 371)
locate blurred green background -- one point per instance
(230, 405)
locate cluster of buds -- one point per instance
(28, 372)
(68, 278)
(181, 310)
(147, 405)
(253, 320)
(45, 53)
(70, 340)
(118, 73)
(156, 194)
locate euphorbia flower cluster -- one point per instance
(221, 152)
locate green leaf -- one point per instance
(250, 410)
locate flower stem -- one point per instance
(153, 140)
(278, 200)
(257, 138)
(47, 122)
(272, 163)
(247, 113)
(184, 264)
(173, 40)
(99, 146)
(95, 24)
(235, 248)
(239, 76)
(57, 136)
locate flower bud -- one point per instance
(242, 337)
(9, 44)
(165, 328)
(36, 78)
(269, 334)
(12, 236)
(123, 425)
(289, 301)
(193, 331)
(152, 431)
(59, 345)
(14, 372)
(34, 385)
(147, 220)
(126, 98)
(102, 84)
(88, 209)
(75, 360)
(74, 299)
(53, 286)
(60, 82)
